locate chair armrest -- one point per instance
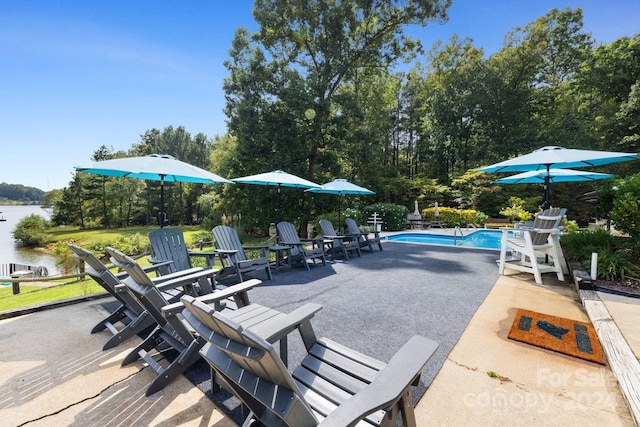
(209, 256)
(255, 247)
(177, 282)
(170, 310)
(157, 265)
(291, 243)
(165, 278)
(389, 386)
(334, 237)
(281, 326)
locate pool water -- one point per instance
(484, 239)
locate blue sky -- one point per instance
(76, 75)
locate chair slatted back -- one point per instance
(288, 234)
(97, 270)
(250, 366)
(167, 244)
(148, 294)
(327, 229)
(546, 220)
(226, 238)
(352, 227)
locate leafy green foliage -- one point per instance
(451, 216)
(394, 217)
(516, 210)
(626, 206)
(31, 231)
(617, 256)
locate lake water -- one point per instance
(12, 252)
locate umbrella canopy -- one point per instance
(553, 157)
(558, 157)
(555, 175)
(277, 178)
(340, 187)
(154, 167)
(552, 175)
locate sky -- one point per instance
(78, 74)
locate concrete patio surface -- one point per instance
(53, 372)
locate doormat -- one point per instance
(572, 337)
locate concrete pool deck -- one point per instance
(53, 372)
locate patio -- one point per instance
(373, 304)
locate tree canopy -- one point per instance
(317, 92)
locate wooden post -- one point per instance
(17, 275)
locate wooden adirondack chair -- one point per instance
(129, 318)
(170, 333)
(339, 243)
(332, 386)
(167, 244)
(235, 259)
(297, 252)
(531, 244)
(364, 240)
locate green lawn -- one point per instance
(34, 295)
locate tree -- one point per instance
(327, 43)
(30, 231)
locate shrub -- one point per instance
(394, 217)
(31, 231)
(626, 206)
(451, 216)
(616, 255)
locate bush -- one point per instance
(394, 217)
(31, 231)
(451, 216)
(626, 206)
(616, 255)
(134, 245)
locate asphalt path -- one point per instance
(376, 302)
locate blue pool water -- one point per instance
(484, 239)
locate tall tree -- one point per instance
(328, 41)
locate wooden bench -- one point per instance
(496, 222)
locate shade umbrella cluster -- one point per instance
(540, 164)
(154, 167)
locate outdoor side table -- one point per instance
(278, 249)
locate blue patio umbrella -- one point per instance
(551, 176)
(340, 187)
(279, 179)
(154, 167)
(554, 157)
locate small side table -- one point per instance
(278, 249)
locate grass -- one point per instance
(35, 295)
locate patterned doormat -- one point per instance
(572, 337)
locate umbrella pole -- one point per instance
(279, 204)
(339, 213)
(162, 216)
(546, 204)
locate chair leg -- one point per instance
(114, 317)
(186, 358)
(148, 344)
(138, 325)
(503, 257)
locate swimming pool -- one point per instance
(483, 239)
